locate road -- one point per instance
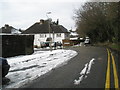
(101, 74)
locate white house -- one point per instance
(43, 31)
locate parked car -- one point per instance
(43, 44)
(82, 40)
(47, 44)
(53, 44)
(59, 44)
(87, 41)
(4, 66)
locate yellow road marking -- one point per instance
(107, 84)
(115, 72)
(116, 81)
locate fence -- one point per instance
(13, 45)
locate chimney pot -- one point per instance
(41, 21)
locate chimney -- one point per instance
(6, 26)
(41, 21)
(57, 21)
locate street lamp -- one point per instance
(49, 29)
(48, 13)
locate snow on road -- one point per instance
(26, 68)
(84, 72)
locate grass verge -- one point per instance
(114, 46)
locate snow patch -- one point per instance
(89, 66)
(26, 68)
(84, 72)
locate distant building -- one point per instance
(74, 37)
(43, 32)
(9, 30)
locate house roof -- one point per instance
(74, 34)
(9, 30)
(44, 28)
(6, 29)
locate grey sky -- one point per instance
(23, 13)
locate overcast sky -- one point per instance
(24, 13)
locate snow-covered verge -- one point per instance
(26, 68)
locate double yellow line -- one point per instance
(116, 82)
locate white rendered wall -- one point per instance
(38, 38)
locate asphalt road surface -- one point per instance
(101, 74)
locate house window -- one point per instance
(41, 35)
(45, 35)
(67, 35)
(58, 35)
